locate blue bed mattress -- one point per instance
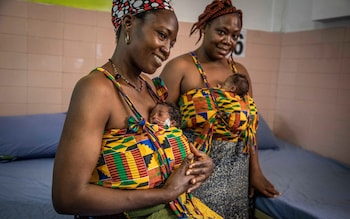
(312, 186)
(25, 190)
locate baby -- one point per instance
(166, 114)
(237, 83)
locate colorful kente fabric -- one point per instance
(143, 155)
(131, 160)
(219, 114)
(161, 89)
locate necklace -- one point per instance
(118, 75)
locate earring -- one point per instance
(127, 38)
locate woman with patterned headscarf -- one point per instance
(110, 160)
(207, 112)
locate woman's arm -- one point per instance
(257, 178)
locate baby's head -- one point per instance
(238, 83)
(166, 114)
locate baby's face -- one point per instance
(159, 114)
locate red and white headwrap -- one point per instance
(123, 7)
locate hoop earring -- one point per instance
(127, 38)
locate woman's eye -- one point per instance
(162, 35)
(235, 36)
(221, 33)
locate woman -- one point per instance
(191, 79)
(102, 104)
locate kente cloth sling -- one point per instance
(219, 114)
(143, 155)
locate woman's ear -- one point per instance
(205, 27)
(128, 21)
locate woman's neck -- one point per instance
(205, 57)
(123, 66)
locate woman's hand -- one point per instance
(202, 167)
(262, 185)
(179, 181)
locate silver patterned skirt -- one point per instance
(226, 190)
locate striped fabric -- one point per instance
(214, 113)
(131, 160)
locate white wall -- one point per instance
(189, 10)
(300, 15)
(325, 9)
(257, 14)
(273, 15)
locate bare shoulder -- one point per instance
(93, 85)
(180, 59)
(95, 93)
(178, 64)
(174, 74)
(241, 68)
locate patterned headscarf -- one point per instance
(215, 9)
(123, 7)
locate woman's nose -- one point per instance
(166, 48)
(228, 39)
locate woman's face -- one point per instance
(152, 39)
(221, 35)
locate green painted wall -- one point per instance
(97, 5)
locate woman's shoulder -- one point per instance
(176, 69)
(95, 89)
(241, 68)
(180, 62)
(95, 82)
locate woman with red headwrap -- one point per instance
(110, 160)
(192, 80)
